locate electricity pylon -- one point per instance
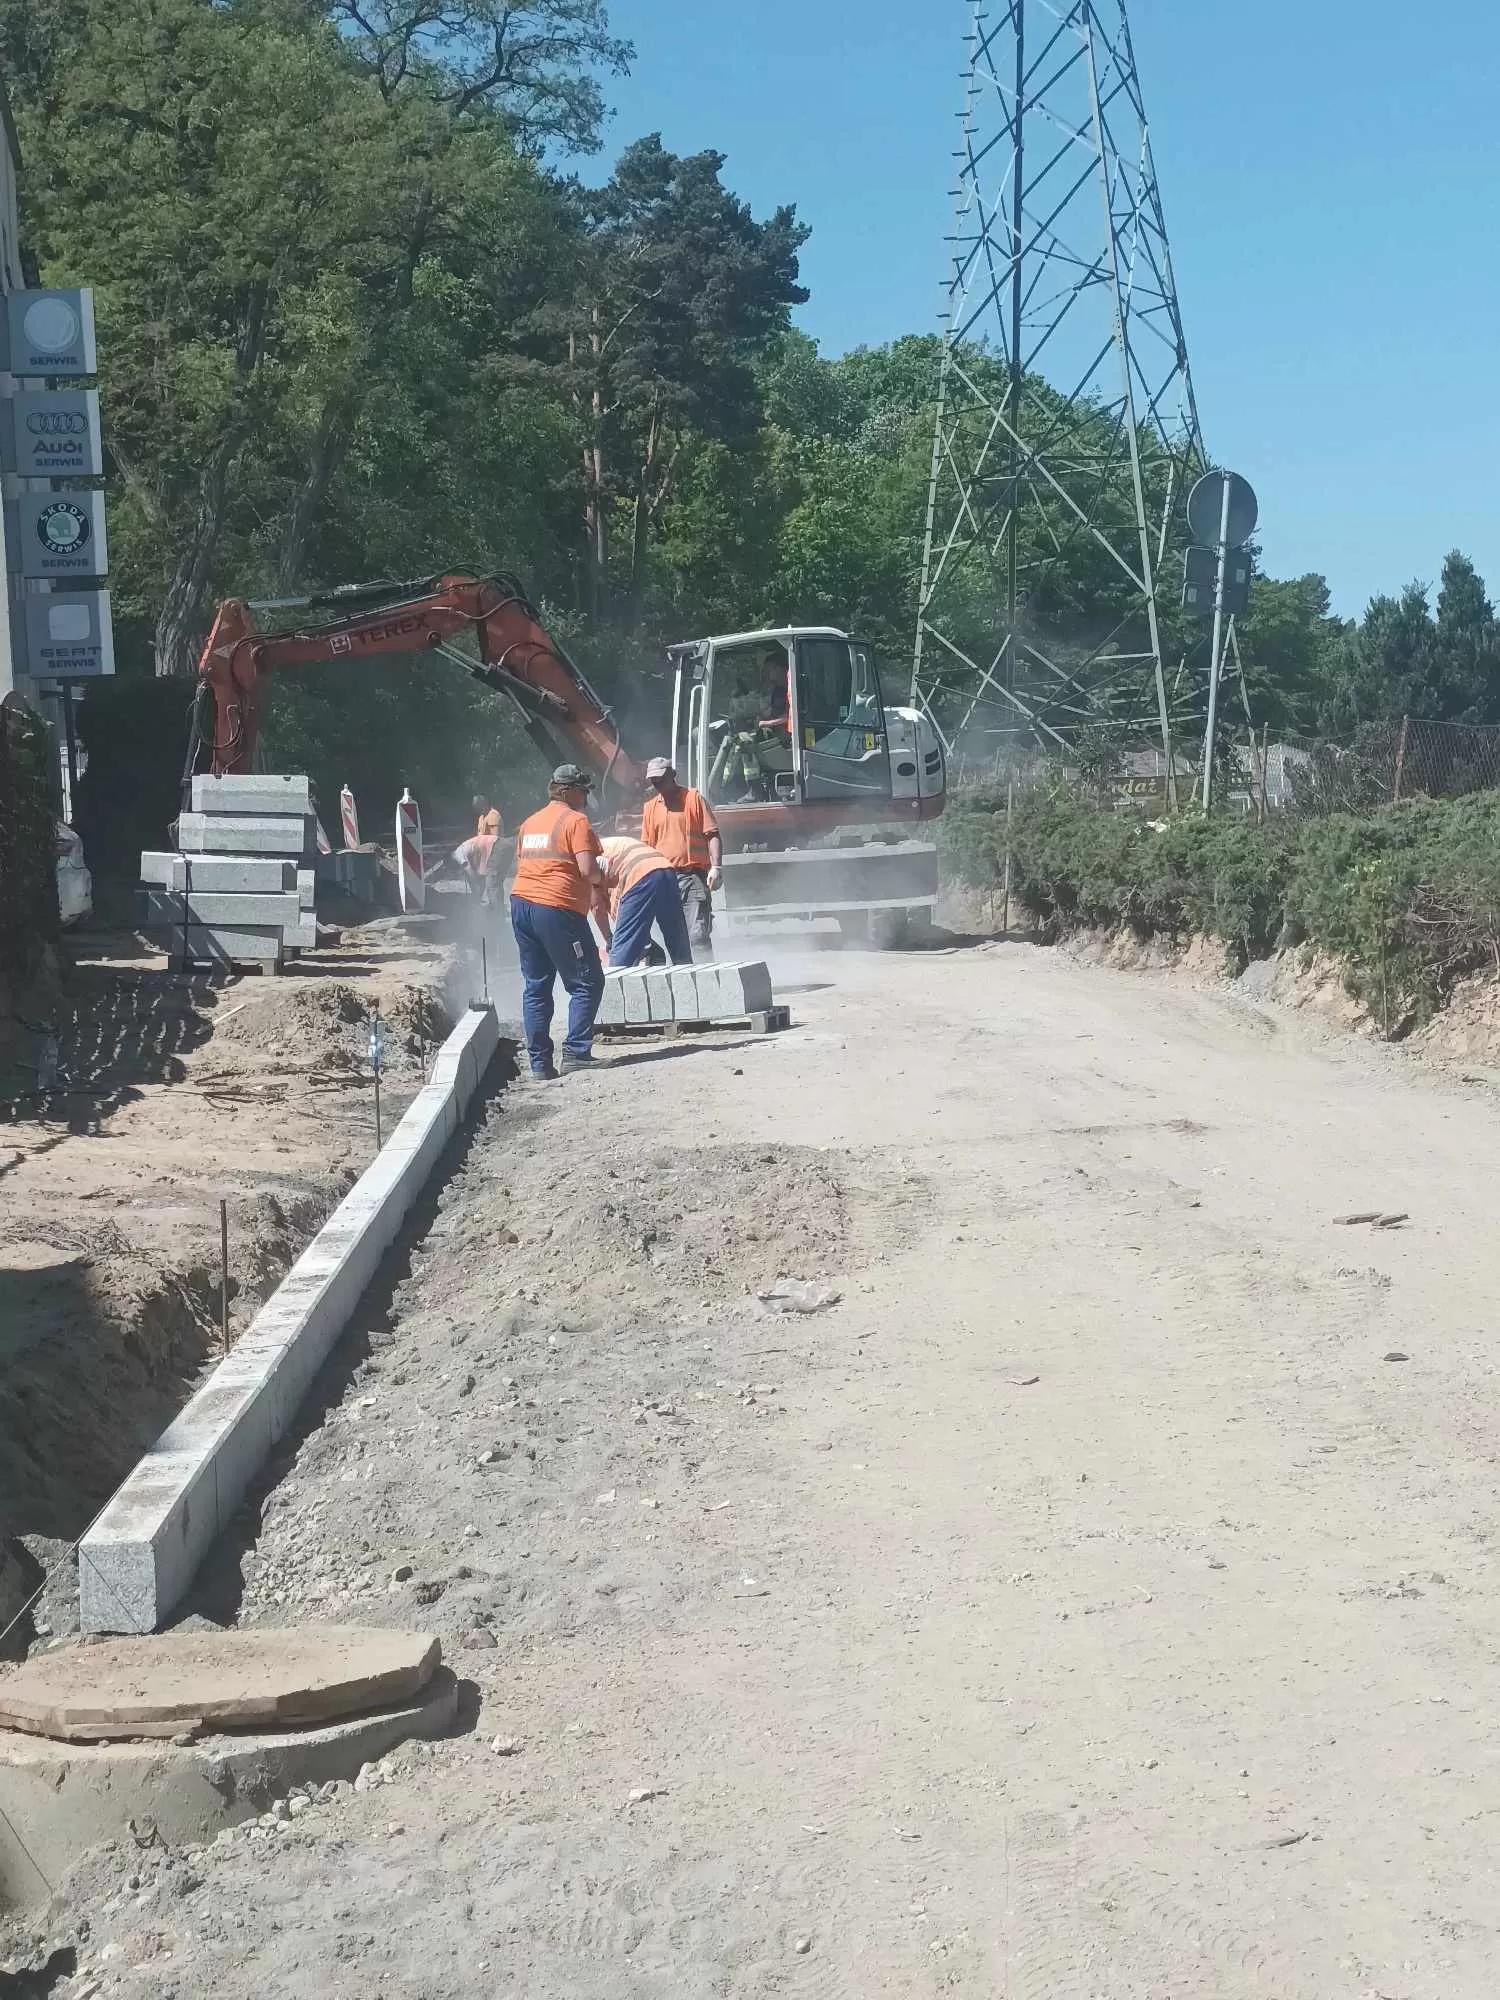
(1067, 432)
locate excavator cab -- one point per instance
(793, 717)
(819, 787)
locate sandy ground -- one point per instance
(172, 1094)
(1097, 1603)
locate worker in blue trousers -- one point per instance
(637, 892)
(558, 875)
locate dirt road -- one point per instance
(1098, 1603)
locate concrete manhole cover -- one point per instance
(184, 1683)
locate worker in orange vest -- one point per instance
(486, 819)
(558, 873)
(639, 892)
(680, 824)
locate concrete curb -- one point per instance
(137, 1561)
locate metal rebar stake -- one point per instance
(224, 1274)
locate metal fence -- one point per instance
(28, 845)
(1381, 764)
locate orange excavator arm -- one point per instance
(516, 657)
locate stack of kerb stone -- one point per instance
(644, 996)
(239, 890)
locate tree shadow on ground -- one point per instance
(114, 1033)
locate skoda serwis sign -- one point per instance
(60, 534)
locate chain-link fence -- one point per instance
(28, 845)
(1381, 764)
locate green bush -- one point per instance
(1408, 897)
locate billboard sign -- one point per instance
(59, 535)
(52, 434)
(69, 635)
(50, 333)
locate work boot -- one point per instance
(570, 1062)
(547, 1075)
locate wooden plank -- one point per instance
(766, 1021)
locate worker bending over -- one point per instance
(679, 823)
(639, 891)
(558, 872)
(479, 858)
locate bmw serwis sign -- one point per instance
(50, 333)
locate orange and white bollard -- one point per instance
(410, 875)
(349, 815)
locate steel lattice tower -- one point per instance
(1066, 428)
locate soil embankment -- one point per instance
(170, 1096)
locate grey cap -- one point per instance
(573, 774)
(660, 767)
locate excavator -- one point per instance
(821, 789)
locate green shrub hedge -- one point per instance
(1408, 897)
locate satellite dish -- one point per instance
(1205, 509)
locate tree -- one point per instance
(300, 283)
(1401, 661)
(532, 60)
(1288, 639)
(679, 290)
(1467, 644)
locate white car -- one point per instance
(75, 885)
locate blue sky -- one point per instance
(1331, 176)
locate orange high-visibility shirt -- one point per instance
(627, 862)
(489, 823)
(547, 849)
(478, 853)
(680, 833)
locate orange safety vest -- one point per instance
(627, 862)
(547, 849)
(681, 833)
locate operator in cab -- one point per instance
(559, 870)
(777, 719)
(679, 823)
(638, 895)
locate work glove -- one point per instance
(715, 877)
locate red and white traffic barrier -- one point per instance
(410, 875)
(349, 814)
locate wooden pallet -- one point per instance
(768, 1021)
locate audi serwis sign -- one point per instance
(53, 434)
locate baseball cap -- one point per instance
(573, 774)
(659, 767)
